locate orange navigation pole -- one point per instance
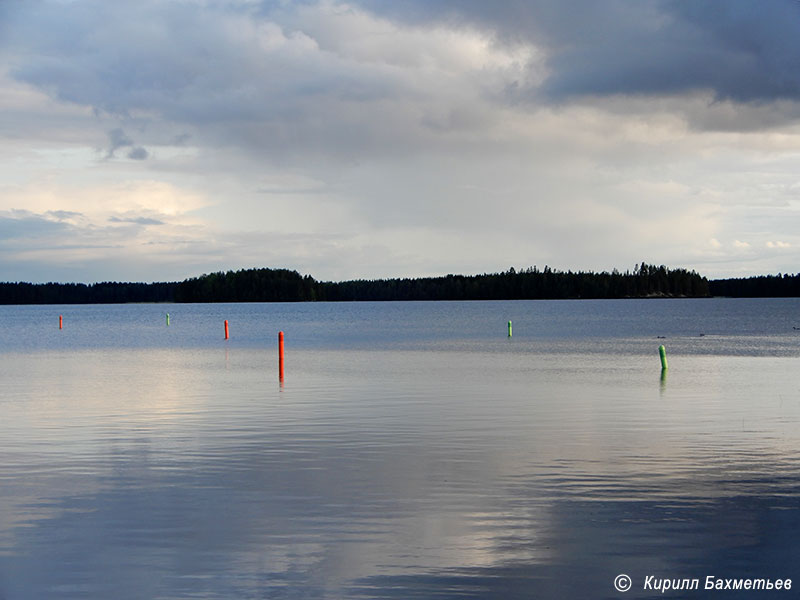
(61, 321)
(280, 356)
(226, 329)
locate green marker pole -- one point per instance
(662, 352)
(509, 329)
(167, 319)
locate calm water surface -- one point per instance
(414, 451)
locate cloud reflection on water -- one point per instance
(169, 472)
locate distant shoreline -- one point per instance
(283, 285)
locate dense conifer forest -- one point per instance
(763, 286)
(79, 293)
(531, 283)
(283, 285)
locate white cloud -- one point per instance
(99, 203)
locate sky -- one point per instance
(156, 140)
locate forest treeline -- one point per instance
(531, 283)
(762, 286)
(283, 285)
(80, 293)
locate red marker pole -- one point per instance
(226, 329)
(61, 321)
(280, 356)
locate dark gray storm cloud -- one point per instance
(737, 49)
(269, 78)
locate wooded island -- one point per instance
(283, 285)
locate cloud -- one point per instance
(100, 201)
(119, 139)
(25, 225)
(379, 139)
(778, 244)
(136, 220)
(732, 48)
(306, 86)
(145, 222)
(64, 215)
(138, 153)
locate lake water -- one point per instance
(413, 451)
